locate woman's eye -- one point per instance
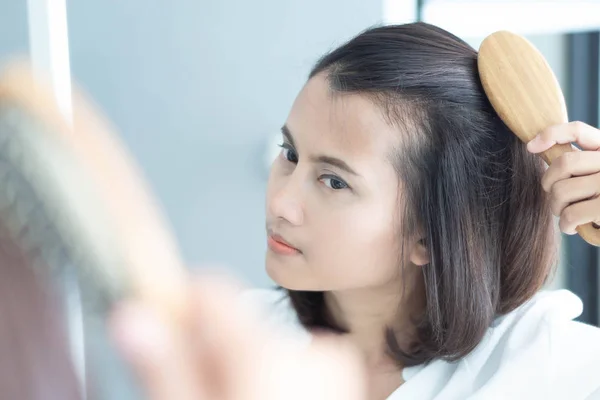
(288, 153)
(334, 183)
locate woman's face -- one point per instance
(333, 195)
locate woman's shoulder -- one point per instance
(573, 351)
(536, 351)
(550, 315)
(542, 341)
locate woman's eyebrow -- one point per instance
(285, 131)
(336, 162)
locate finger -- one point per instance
(574, 163)
(586, 136)
(572, 190)
(158, 357)
(579, 214)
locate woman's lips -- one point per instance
(278, 245)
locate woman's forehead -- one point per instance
(348, 123)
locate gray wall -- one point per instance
(196, 88)
(14, 34)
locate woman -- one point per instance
(404, 216)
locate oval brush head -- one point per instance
(71, 197)
(526, 95)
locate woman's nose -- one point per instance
(286, 200)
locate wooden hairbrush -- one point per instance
(526, 95)
(71, 197)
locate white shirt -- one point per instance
(535, 352)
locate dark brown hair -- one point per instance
(468, 183)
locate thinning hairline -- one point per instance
(406, 115)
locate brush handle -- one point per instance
(556, 151)
(590, 232)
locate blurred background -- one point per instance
(199, 89)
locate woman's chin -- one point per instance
(287, 278)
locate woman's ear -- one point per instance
(419, 254)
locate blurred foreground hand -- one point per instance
(231, 355)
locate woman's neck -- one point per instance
(367, 313)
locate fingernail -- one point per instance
(138, 333)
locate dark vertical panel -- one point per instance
(582, 102)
